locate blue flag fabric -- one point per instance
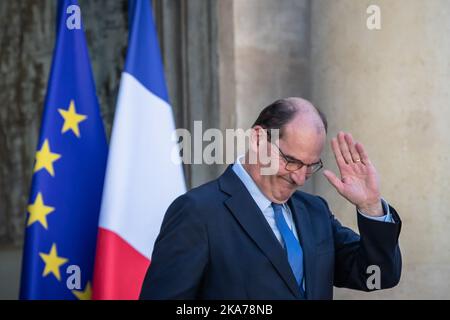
(64, 204)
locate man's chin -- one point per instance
(286, 192)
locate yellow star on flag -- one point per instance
(84, 295)
(71, 119)
(45, 158)
(52, 262)
(39, 211)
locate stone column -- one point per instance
(271, 55)
(390, 88)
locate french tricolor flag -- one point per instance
(141, 178)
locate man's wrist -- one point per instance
(373, 210)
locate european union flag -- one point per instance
(64, 204)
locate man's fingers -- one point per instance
(344, 148)
(351, 146)
(362, 153)
(335, 181)
(337, 152)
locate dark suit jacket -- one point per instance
(215, 243)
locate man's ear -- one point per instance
(254, 140)
(256, 143)
(258, 136)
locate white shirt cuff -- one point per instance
(386, 218)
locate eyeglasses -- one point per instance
(295, 164)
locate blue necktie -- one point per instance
(291, 244)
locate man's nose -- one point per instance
(299, 176)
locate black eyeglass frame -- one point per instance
(298, 164)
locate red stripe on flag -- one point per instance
(119, 268)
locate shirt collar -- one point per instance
(261, 200)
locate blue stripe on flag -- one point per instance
(144, 59)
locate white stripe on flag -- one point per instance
(141, 179)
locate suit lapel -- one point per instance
(252, 220)
(302, 222)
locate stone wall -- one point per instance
(390, 88)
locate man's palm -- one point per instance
(359, 181)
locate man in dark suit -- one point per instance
(249, 235)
